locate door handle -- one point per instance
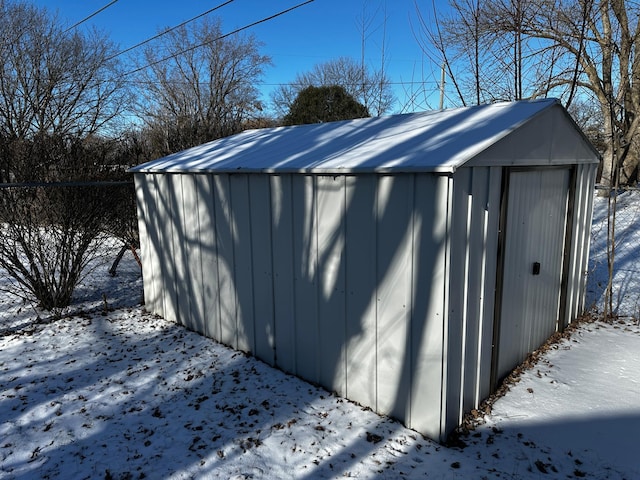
(536, 268)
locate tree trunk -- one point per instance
(116, 262)
(629, 168)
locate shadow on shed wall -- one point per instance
(337, 279)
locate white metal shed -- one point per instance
(406, 262)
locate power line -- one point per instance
(90, 16)
(351, 84)
(433, 83)
(403, 83)
(266, 19)
(169, 30)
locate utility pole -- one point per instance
(442, 77)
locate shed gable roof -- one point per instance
(439, 141)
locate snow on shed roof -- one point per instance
(438, 141)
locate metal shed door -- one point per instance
(534, 239)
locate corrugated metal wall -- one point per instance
(337, 279)
(380, 287)
(580, 239)
(471, 289)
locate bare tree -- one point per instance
(58, 93)
(487, 49)
(578, 50)
(565, 48)
(505, 23)
(369, 87)
(376, 97)
(54, 85)
(456, 39)
(199, 85)
(598, 43)
(587, 114)
(601, 38)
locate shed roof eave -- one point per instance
(437, 169)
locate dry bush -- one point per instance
(48, 235)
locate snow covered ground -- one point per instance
(112, 392)
(626, 298)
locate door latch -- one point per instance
(536, 268)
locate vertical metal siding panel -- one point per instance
(536, 302)
(491, 227)
(428, 312)
(476, 254)
(516, 271)
(283, 268)
(145, 204)
(262, 267)
(210, 288)
(394, 236)
(330, 193)
(552, 217)
(576, 206)
(457, 323)
(166, 198)
(581, 236)
(158, 245)
(158, 218)
(540, 299)
(225, 238)
(180, 252)
(305, 250)
(444, 427)
(590, 174)
(360, 253)
(191, 251)
(575, 249)
(241, 208)
(154, 244)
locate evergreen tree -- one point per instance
(324, 104)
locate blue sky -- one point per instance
(314, 33)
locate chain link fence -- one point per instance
(626, 251)
(100, 291)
